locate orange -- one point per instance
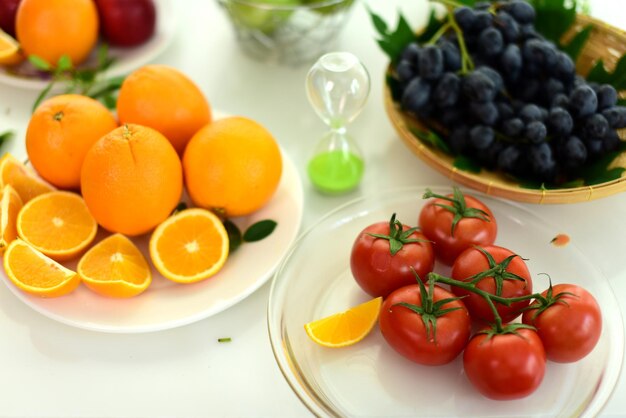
(10, 205)
(58, 224)
(131, 179)
(33, 272)
(10, 52)
(53, 28)
(165, 99)
(232, 165)
(345, 328)
(24, 181)
(115, 267)
(60, 132)
(190, 246)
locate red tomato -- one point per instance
(505, 366)
(570, 326)
(476, 225)
(377, 270)
(473, 261)
(405, 331)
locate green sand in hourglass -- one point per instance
(337, 87)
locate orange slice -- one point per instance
(189, 246)
(115, 267)
(33, 272)
(58, 224)
(24, 181)
(10, 205)
(345, 328)
(10, 52)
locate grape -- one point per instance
(505, 110)
(478, 87)
(493, 75)
(527, 31)
(536, 132)
(511, 62)
(542, 161)
(564, 67)
(485, 112)
(552, 87)
(430, 63)
(490, 42)
(583, 101)
(574, 152)
(560, 100)
(452, 116)
(483, 20)
(481, 137)
(411, 53)
(507, 25)
(513, 127)
(447, 91)
(489, 157)
(415, 95)
(457, 140)
(560, 121)
(482, 5)
(539, 52)
(520, 10)
(616, 116)
(607, 96)
(595, 147)
(465, 18)
(596, 126)
(451, 55)
(530, 112)
(405, 70)
(508, 158)
(529, 89)
(611, 141)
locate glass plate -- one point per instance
(167, 304)
(126, 59)
(370, 379)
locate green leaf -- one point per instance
(617, 78)
(554, 18)
(379, 24)
(6, 136)
(431, 28)
(180, 207)
(575, 46)
(621, 102)
(395, 88)
(39, 63)
(64, 64)
(42, 95)
(259, 230)
(392, 43)
(431, 138)
(599, 172)
(465, 163)
(234, 235)
(109, 101)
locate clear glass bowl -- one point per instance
(370, 379)
(290, 32)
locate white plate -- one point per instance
(127, 59)
(370, 378)
(167, 304)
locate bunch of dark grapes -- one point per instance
(520, 108)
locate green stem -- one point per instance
(467, 64)
(442, 30)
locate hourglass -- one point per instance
(337, 86)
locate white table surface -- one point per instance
(50, 369)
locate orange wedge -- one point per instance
(10, 52)
(189, 246)
(58, 224)
(345, 328)
(115, 267)
(10, 205)
(25, 182)
(33, 272)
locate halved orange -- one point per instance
(25, 182)
(115, 267)
(10, 205)
(33, 272)
(58, 224)
(10, 52)
(345, 328)
(189, 246)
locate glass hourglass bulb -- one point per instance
(337, 87)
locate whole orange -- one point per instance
(59, 134)
(165, 99)
(131, 179)
(53, 28)
(232, 165)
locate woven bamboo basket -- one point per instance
(607, 43)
